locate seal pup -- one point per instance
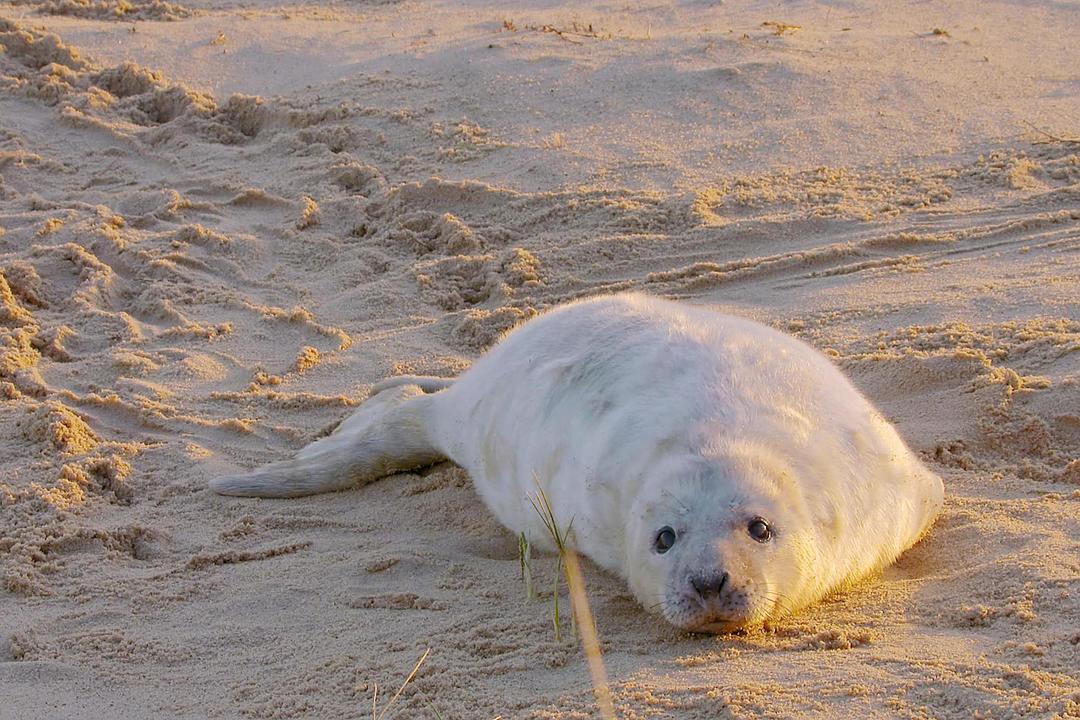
(728, 472)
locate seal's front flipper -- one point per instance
(427, 383)
(388, 433)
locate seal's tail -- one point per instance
(387, 434)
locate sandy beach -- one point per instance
(222, 222)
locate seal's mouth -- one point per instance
(692, 617)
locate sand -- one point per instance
(221, 222)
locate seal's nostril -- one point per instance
(709, 585)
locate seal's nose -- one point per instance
(709, 586)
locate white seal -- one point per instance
(729, 472)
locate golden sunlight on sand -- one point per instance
(221, 222)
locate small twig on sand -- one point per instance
(401, 689)
(779, 28)
(1051, 137)
(576, 30)
(581, 617)
(590, 640)
(552, 29)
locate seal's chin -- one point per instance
(690, 616)
(717, 627)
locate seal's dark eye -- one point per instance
(664, 539)
(759, 530)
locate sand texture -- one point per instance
(221, 222)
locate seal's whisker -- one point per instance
(781, 603)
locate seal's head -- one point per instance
(742, 534)
(716, 545)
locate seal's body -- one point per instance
(728, 471)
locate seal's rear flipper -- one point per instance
(387, 434)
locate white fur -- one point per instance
(634, 413)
